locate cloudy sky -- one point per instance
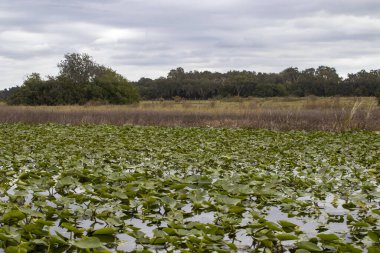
(148, 38)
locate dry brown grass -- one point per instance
(311, 113)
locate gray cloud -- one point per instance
(148, 38)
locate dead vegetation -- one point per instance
(311, 113)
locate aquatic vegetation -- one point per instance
(102, 188)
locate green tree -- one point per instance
(327, 80)
(80, 80)
(363, 83)
(289, 78)
(113, 88)
(307, 83)
(28, 93)
(79, 68)
(265, 90)
(177, 74)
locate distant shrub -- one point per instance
(177, 99)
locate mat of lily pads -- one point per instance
(101, 188)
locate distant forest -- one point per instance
(81, 81)
(322, 81)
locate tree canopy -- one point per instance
(322, 81)
(80, 80)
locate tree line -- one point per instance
(81, 80)
(322, 81)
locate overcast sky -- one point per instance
(141, 38)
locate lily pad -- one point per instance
(88, 243)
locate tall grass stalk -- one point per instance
(257, 113)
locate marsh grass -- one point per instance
(310, 113)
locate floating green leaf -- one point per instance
(328, 237)
(286, 237)
(13, 215)
(287, 224)
(105, 231)
(309, 246)
(88, 243)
